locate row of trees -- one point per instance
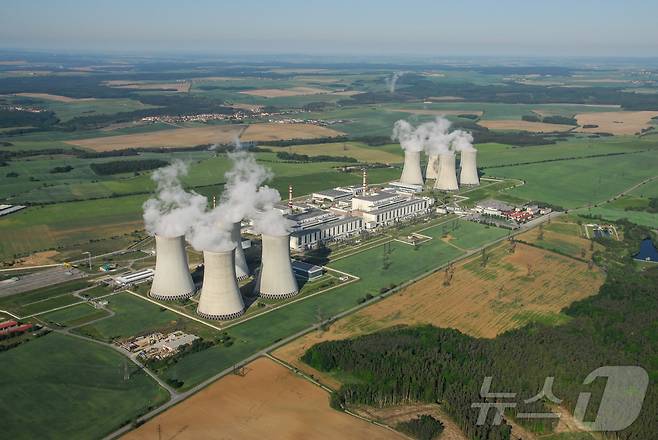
(128, 166)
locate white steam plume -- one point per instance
(391, 82)
(172, 211)
(432, 137)
(272, 222)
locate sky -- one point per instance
(338, 27)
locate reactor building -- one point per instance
(411, 173)
(172, 279)
(276, 279)
(447, 178)
(220, 297)
(469, 170)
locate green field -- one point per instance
(265, 330)
(134, 316)
(639, 217)
(579, 182)
(59, 387)
(46, 298)
(73, 316)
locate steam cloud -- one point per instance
(432, 137)
(173, 210)
(393, 80)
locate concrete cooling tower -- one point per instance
(220, 295)
(172, 279)
(411, 173)
(276, 279)
(432, 171)
(469, 169)
(447, 180)
(241, 268)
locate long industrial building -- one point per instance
(389, 206)
(317, 225)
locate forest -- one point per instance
(619, 326)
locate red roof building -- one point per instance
(8, 324)
(21, 328)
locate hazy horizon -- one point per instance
(511, 28)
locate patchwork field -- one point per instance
(512, 289)
(564, 238)
(619, 123)
(179, 86)
(537, 127)
(57, 98)
(268, 402)
(79, 388)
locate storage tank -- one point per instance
(241, 268)
(469, 169)
(432, 171)
(172, 279)
(275, 278)
(411, 173)
(447, 180)
(220, 294)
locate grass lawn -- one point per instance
(576, 183)
(59, 387)
(466, 235)
(74, 315)
(135, 316)
(44, 298)
(639, 217)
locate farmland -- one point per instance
(278, 400)
(512, 289)
(42, 371)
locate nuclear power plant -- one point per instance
(241, 268)
(411, 173)
(220, 295)
(469, 170)
(276, 279)
(172, 279)
(432, 171)
(447, 178)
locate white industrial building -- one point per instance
(317, 225)
(389, 206)
(337, 194)
(134, 277)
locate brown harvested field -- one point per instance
(270, 402)
(58, 98)
(615, 122)
(513, 289)
(176, 137)
(277, 93)
(347, 92)
(37, 259)
(517, 124)
(350, 149)
(277, 132)
(435, 112)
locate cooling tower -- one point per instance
(432, 171)
(275, 279)
(469, 169)
(241, 268)
(220, 295)
(172, 279)
(447, 180)
(411, 173)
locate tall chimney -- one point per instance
(172, 279)
(447, 179)
(290, 196)
(365, 180)
(220, 295)
(411, 173)
(469, 169)
(276, 279)
(241, 268)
